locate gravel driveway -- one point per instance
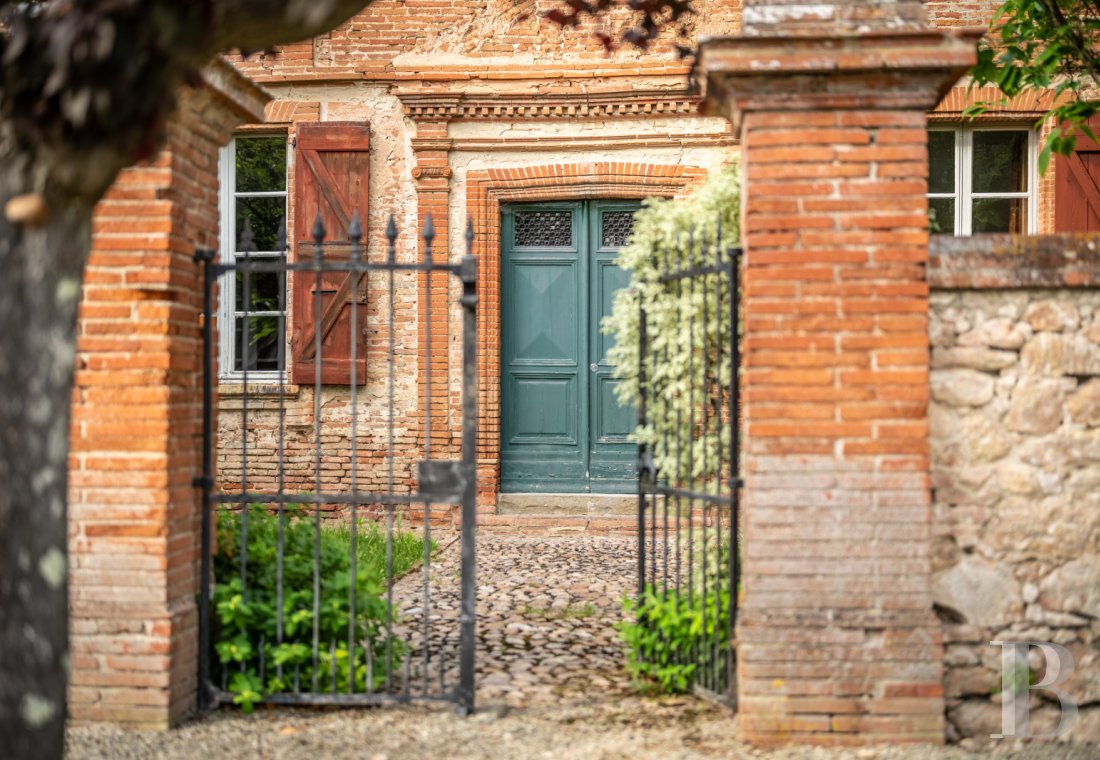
(621, 729)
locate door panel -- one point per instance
(544, 289)
(611, 454)
(536, 410)
(542, 348)
(562, 429)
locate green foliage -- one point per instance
(1040, 45)
(675, 632)
(245, 626)
(669, 235)
(672, 636)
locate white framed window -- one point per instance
(253, 190)
(982, 179)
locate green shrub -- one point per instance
(673, 635)
(245, 623)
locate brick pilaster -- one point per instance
(837, 641)
(432, 173)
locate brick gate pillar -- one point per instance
(838, 642)
(134, 515)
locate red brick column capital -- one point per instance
(885, 70)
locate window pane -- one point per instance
(999, 215)
(261, 164)
(263, 344)
(941, 216)
(1000, 162)
(264, 289)
(265, 214)
(941, 162)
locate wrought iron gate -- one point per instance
(688, 473)
(307, 488)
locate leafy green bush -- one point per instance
(672, 636)
(245, 626)
(670, 235)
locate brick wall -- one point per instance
(1015, 426)
(836, 552)
(423, 42)
(136, 421)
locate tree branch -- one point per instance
(260, 24)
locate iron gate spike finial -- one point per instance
(391, 236)
(247, 242)
(318, 230)
(355, 231)
(469, 237)
(280, 244)
(428, 234)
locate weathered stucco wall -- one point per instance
(475, 146)
(1015, 424)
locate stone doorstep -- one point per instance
(556, 525)
(567, 504)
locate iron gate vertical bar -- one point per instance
(355, 235)
(280, 541)
(391, 260)
(733, 270)
(206, 480)
(429, 237)
(643, 474)
(703, 641)
(468, 620)
(318, 260)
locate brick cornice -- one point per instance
(450, 106)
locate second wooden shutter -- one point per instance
(331, 178)
(1077, 187)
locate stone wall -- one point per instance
(1015, 424)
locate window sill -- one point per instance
(228, 389)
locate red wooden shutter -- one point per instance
(330, 178)
(1077, 187)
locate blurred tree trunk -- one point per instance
(85, 90)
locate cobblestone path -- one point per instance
(545, 618)
(545, 642)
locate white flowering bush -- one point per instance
(688, 372)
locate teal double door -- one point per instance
(562, 428)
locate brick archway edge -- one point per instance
(486, 190)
